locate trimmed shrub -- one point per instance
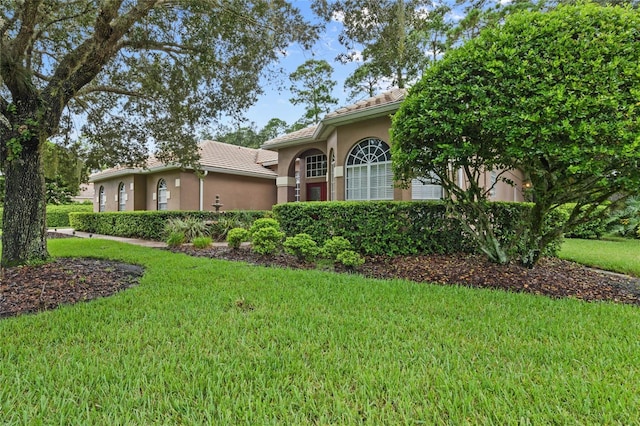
(334, 246)
(58, 215)
(302, 246)
(267, 240)
(147, 225)
(350, 259)
(400, 227)
(266, 222)
(594, 228)
(202, 242)
(237, 236)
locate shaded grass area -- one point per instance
(208, 341)
(617, 255)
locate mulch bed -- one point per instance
(29, 289)
(552, 277)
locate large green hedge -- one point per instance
(398, 228)
(149, 225)
(58, 216)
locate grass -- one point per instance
(213, 342)
(618, 255)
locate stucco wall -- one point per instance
(111, 193)
(239, 192)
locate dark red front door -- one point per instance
(317, 191)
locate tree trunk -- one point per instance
(24, 216)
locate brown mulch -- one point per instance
(36, 288)
(28, 289)
(552, 277)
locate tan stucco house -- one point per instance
(344, 157)
(347, 157)
(242, 178)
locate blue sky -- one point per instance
(275, 103)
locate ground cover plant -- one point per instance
(209, 341)
(615, 254)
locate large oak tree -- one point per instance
(555, 94)
(137, 73)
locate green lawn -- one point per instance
(214, 342)
(619, 255)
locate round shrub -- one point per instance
(334, 246)
(302, 246)
(350, 259)
(266, 222)
(266, 240)
(237, 236)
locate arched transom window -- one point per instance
(122, 197)
(369, 174)
(162, 194)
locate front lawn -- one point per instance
(204, 341)
(618, 255)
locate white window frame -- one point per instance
(333, 176)
(102, 199)
(122, 197)
(163, 190)
(368, 170)
(316, 165)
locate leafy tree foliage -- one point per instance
(139, 72)
(554, 94)
(312, 86)
(391, 36)
(249, 135)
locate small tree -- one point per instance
(312, 86)
(553, 94)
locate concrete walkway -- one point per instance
(135, 241)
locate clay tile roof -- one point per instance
(306, 133)
(236, 158)
(389, 97)
(216, 156)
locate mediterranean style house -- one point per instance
(235, 177)
(344, 157)
(347, 157)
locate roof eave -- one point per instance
(240, 172)
(287, 143)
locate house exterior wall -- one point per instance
(342, 139)
(139, 192)
(236, 192)
(111, 187)
(239, 192)
(173, 189)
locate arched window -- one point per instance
(122, 197)
(102, 199)
(369, 174)
(162, 194)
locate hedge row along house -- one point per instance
(344, 157)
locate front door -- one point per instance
(317, 191)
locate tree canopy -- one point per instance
(554, 94)
(311, 85)
(139, 73)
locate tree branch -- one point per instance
(108, 89)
